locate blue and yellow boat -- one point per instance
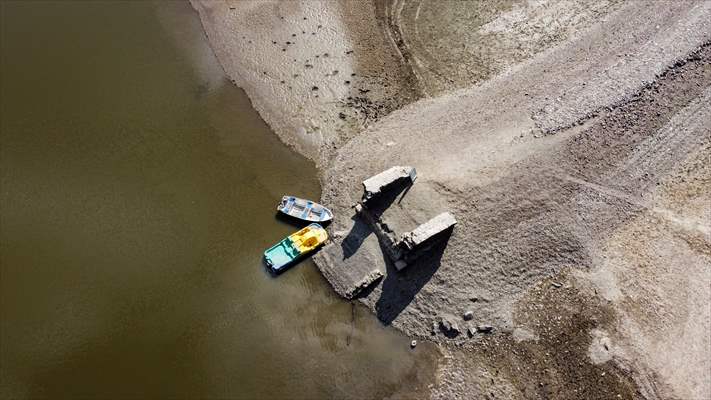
(295, 246)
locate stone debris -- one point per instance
(367, 280)
(375, 184)
(471, 332)
(449, 327)
(468, 315)
(484, 328)
(400, 264)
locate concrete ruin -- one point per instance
(348, 268)
(423, 238)
(377, 184)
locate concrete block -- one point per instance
(377, 183)
(428, 230)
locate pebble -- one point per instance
(556, 285)
(468, 315)
(485, 328)
(413, 344)
(449, 327)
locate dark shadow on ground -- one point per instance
(400, 287)
(358, 233)
(377, 205)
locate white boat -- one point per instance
(304, 209)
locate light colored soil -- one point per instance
(336, 76)
(575, 157)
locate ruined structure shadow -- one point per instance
(354, 239)
(377, 205)
(400, 287)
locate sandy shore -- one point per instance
(571, 141)
(318, 72)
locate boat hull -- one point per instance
(294, 247)
(304, 210)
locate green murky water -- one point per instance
(137, 194)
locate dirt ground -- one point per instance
(571, 140)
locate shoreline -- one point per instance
(555, 192)
(312, 70)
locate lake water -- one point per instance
(137, 194)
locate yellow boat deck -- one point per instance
(309, 238)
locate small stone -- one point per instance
(347, 82)
(400, 264)
(468, 315)
(471, 332)
(556, 285)
(413, 344)
(341, 115)
(449, 327)
(455, 328)
(473, 299)
(314, 88)
(484, 328)
(358, 208)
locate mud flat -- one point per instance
(577, 168)
(318, 72)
